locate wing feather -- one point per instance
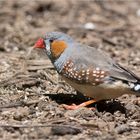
(90, 60)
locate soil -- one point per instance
(31, 94)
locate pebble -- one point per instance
(89, 26)
(123, 128)
(63, 130)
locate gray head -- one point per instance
(54, 43)
(58, 36)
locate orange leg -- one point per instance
(73, 106)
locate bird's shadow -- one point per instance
(108, 106)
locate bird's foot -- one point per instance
(74, 106)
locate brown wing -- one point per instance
(99, 59)
(92, 66)
(94, 76)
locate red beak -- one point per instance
(40, 44)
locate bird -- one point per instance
(88, 70)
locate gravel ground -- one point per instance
(31, 94)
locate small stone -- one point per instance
(64, 130)
(123, 128)
(138, 12)
(89, 26)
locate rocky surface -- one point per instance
(31, 94)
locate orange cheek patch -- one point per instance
(57, 47)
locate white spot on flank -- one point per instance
(75, 77)
(71, 72)
(102, 72)
(98, 72)
(137, 87)
(76, 74)
(87, 73)
(79, 76)
(97, 80)
(102, 76)
(94, 71)
(83, 74)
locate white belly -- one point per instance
(102, 91)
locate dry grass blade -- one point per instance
(40, 125)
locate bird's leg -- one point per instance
(74, 106)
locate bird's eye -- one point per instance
(51, 40)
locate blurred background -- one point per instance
(109, 25)
(112, 26)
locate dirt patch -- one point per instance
(30, 92)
